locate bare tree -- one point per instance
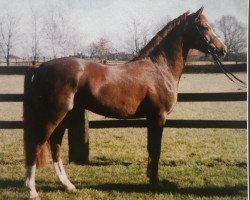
(138, 33)
(63, 38)
(77, 42)
(72, 41)
(35, 35)
(9, 31)
(51, 31)
(102, 49)
(56, 30)
(233, 33)
(92, 50)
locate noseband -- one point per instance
(207, 43)
(213, 51)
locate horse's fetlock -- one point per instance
(29, 184)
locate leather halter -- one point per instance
(214, 52)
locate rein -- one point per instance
(227, 72)
(216, 58)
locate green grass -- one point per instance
(195, 164)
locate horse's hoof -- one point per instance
(35, 198)
(71, 190)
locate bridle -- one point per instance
(213, 51)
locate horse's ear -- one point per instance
(198, 13)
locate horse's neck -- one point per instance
(172, 55)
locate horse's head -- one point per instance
(201, 36)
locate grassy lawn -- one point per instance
(195, 164)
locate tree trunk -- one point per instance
(8, 60)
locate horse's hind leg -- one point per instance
(55, 144)
(30, 181)
(44, 109)
(35, 150)
(36, 137)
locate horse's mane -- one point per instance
(156, 40)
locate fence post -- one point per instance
(78, 136)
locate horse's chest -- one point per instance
(171, 101)
(165, 104)
(165, 96)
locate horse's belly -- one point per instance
(108, 104)
(119, 107)
(116, 99)
(111, 110)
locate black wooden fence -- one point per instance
(78, 134)
(182, 97)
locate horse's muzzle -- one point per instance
(222, 52)
(220, 48)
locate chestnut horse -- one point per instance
(144, 87)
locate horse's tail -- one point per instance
(30, 137)
(43, 155)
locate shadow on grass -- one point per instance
(169, 187)
(8, 184)
(19, 185)
(108, 163)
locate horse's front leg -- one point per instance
(154, 150)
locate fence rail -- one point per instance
(141, 123)
(242, 67)
(182, 97)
